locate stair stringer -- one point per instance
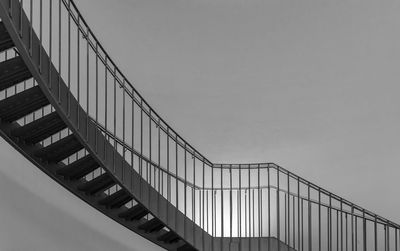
(90, 136)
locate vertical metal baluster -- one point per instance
(294, 220)
(176, 180)
(212, 208)
(245, 213)
(21, 11)
(319, 219)
(330, 222)
(230, 204)
(240, 207)
(115, 117)
(50, 42)
(298, 214)
(259, 208)
(185, 187)
(252, 206)
(278, 227)
(106, 109)
(133, 140)
(364, 232)
(208, 220)
(59, 51)
(168, 176)
(159, 165)
(385, 237)
(222, 208)
(123, 128)
(31, 28)
(284, 215)
(388, 235)
(302, 224)
(288, 207)
(97, 98)
(88, 86)
(10, 9)
(41, 34)
(193, 196)
(347, 232)
(309, 219)
(150, 164)
(341, 224)
(141, 149)
(356, 232)
(203, 204)
(249, 184)
(69, 61)
(78, 61)
(352, 228)
(337, 230)
(269, 206)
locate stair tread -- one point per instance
(78, 168)
(134, 213)
(22, 104)
(169, 237)
(40, 129)
(117, 199)
(98, 184)
(60, 149)
(13, 71)
(152, 225)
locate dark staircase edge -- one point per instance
(60, 110)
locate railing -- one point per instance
(225, 200)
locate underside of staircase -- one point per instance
(84, 177)
(34, 120)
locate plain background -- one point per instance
(311, 85)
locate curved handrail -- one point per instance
(261, 165)
(201, 189)
(122, 82)
(159, 121)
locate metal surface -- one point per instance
(84, 124)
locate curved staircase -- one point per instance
(91, 136)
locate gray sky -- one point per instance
(311, 85)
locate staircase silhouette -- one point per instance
(45, 119)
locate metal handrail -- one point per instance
(253, 166)
(170, 131)
(218, 188)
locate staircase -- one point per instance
(85, 176)
(46, 120)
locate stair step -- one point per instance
(5, 39)
(169, 237)
(98, 184)
(117, 199)
(60, 149)
(78, 168)
(186, 247)
(22, 104)
(153, 225)
(12, 72)
(40, 129)
(135, 213)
